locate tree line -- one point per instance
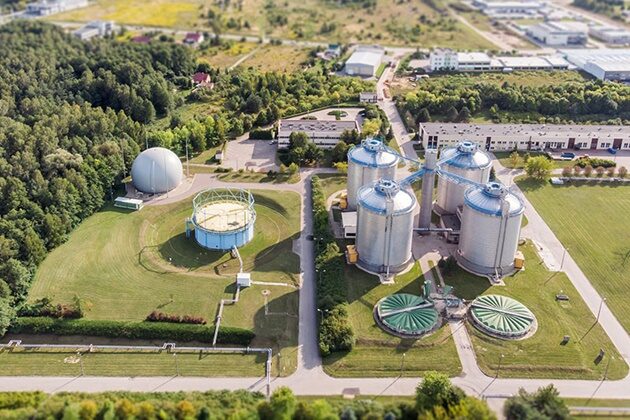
(72, 119)
(457, 97)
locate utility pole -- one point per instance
(402, 364)
(176, 364)
(599, 311)
(563, 255)
(499, 368)
(187, 163)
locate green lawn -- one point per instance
(597, 402)
(125, 265)
(504, 158)
(259, 177)
(66, 363)
(591, 220)
(331, 183)
(379, 354)
(542, 355)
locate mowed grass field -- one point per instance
(591, 220)
(390, 22)
(542, 355)
(379, 354)
(160, 13)
(125, 265)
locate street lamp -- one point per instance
(499, 368)
(81, 363)
(176, 364)
(599, 311)
(402, 364)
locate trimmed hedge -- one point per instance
(132, 330)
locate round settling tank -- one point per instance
(156, 170)
(370, 161)
(223, 218)
(384, 227)
(501, 316)
(491, 225)
(467, 161)
(406, 315)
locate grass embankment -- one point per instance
(125, 265)
(378, 354)
(591, 221)
(542, 355)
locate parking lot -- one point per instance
(258, 155)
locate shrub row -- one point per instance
(335, 330)
(157, 316)
(584, 161)
(44, 307)
(260, 134)
(131, 330)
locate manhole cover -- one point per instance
(266, 292)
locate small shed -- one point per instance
(349, 223)
(128, 203)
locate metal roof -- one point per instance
(466, 155)
(490, 199)
(406, 314)
(501, 315)
(371, 58)
(372, 152)
(386, 197)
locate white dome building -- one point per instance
(156, 170)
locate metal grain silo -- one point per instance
(465, 160)
(384, 227)
(370, 161)
(491, 225)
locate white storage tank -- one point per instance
(156, 170)
(384, 227)
(468, 161)
(370, 161)
(491, 225)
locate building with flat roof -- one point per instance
(610, 35)
(365, 61)
(50, 7)
(505, 137)
(559, 33)
(509, 9)
(605, 64)
(448, 60)
(95, 29)
(325, 134)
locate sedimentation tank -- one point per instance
(491, 225)
(501, 316)
(384, 227)
(468, 161)
(223, 218)
(370, 161)
(156, 170)
(406, 314)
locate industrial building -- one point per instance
(406, 315)
(222, 219)
(610, 35)
(559, 33)
(509, 9)
(505, 137)
(156, 170)
(95, 29)
(604, 64)
(325, 134)
(50, 7)
(449, 60)
(364, 61)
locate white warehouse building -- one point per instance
(50, 7)
(559, 33)
(365, 61)
(605, 64)
(610, 35)
(505, 137)
(508, 9)
(449, 60)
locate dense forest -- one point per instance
(589, 101)
(72, 118)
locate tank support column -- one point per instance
(428, 183)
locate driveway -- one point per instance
(244, 153)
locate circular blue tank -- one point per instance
(223, 218)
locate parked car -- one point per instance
(612, 150)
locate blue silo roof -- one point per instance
(467, 155)
(378, 196)
(488, 199)
(373, 153)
